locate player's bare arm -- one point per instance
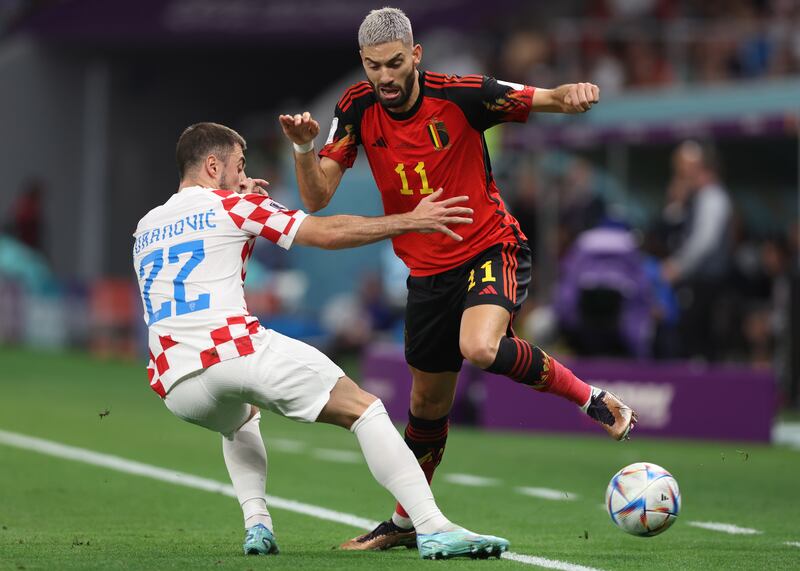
(567, 98)
(346, 231)
(317, 179)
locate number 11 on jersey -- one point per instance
(423, 176)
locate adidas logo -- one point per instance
(380, 142)
(488, 290)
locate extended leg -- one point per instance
(394, 466)
(484, 342)
(389, 459)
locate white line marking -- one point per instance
(58, 450)
(335, 455)
(547, 493)
(546, 563)
(792, 543)
(724, 527)
(470, 480)
(171, 476)
(787, 433)
(285, 445)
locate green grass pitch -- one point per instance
(63, 514)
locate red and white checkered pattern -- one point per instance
(247, 251)
(160, 365)
(259, 215)
(231, 340)
(227, 224)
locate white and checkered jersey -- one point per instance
(190, 257)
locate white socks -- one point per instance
(394, 467)
(246, 459)
(389, 459)
(402, 521)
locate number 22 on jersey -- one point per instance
(155, 259)
(423, 176)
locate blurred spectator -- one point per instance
(651, 43)
(607, 71)
(356, 320)
(604, 300)
(525, 58)
(580, 205)
(524, 204)
(701, 261)
(646, 66)
(666, 311)
(775, 253)
(26, 224)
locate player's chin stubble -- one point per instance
(224, 184)
(405, 92)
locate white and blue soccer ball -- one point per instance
(643, 499)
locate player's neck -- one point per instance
(190, 182)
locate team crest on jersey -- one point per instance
(437, 131)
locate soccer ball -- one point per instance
(643, 499)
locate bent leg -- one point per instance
(485, 343)
(346, 404)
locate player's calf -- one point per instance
(529, 365)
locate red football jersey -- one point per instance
(437, 143)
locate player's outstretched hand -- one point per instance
(436, 216)
(300, 129)
(254, 185)
(578, 97)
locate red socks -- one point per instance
(529, 365)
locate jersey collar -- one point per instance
(414, 108)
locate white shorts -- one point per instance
(283, 375)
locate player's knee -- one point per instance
(480, 351)
(346, 404)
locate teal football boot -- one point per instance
(259, 541)
(460, 543)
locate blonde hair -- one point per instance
(383, 26)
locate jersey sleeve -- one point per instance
(344, 136)
(259, 215)
(495, 102)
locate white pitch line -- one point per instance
(470, 480)
(336, 455)
(119, 464)
(792, 543)
(724, 527)
(787, 433)
(547, 493)
(546, 563)
(171, 476)
(285, 445)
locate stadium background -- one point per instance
(93, 95)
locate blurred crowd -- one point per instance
(622, 44)
(689, 280)
(693, 282)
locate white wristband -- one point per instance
(304, 148)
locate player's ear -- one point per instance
(212, 166)
(416, 54)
